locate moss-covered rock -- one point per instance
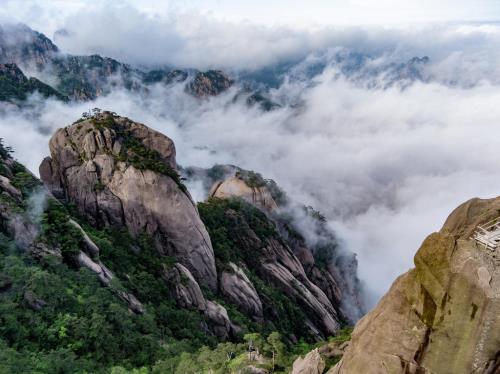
(443, 316)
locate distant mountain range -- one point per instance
(81, 78)
(87, 77)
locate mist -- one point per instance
(385, 165)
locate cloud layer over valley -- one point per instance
(386, 166)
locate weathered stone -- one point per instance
(312, 363)
(184, 287)
(239, 290)
(310, 297)
(9, 188)
(209, 83)
(134, 305)
(90, 247)
(102, 272)
(236, 187)
(88, 167)
(220, 323)
(443, 316)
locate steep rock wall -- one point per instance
(119, 172)
(441, 317)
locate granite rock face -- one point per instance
(119, 172)
(236, 287)
(312, 363)
(443, 316)
(234, 186)
(185, 289)
(327, 292)
(209, 83)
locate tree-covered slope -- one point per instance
(58, 315)
(94, 276)
(16, 87)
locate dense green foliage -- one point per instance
(58, 232)
(59, 317)
(84, 327)
(56, 317)
(231, 224)
(134, 151)
(71, 321)
(256, 180)
(226, 229)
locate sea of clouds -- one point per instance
(386, 166)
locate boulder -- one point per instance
(220, 323)
(239, 290)
(90, 247)
(184, 287)
(237, 187)
(6, 186)
(312, 363)
(102, 272)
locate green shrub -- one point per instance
(58, 232)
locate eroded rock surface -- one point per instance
(220, 322)
(184, 288)
(236, 287)
(119, 172)
(312, 363)
(237, 187)
(443, 316)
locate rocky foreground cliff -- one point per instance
(441, 317)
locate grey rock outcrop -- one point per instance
(9, 189)
(119, 172)
(312, 299)
(312, 363)
(331, 288)
(209, 83)
(89, 258)
(184, 287)
(274, 262)
(236, 187)
(220, 322)
(237, 288)
(188, 294)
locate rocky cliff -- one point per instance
(441, 317)
(303, 231)
(114, 256)
(119, 172)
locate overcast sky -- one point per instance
(243, 35)
(49, 15)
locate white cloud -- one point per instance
(385, 166)
(249, 35)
